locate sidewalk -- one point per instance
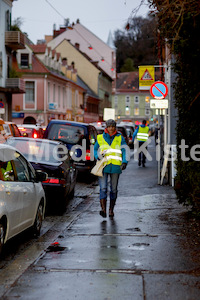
(148, 251)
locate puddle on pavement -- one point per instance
(134, 229)
(130, 262)
(139, 246)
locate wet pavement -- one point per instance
(149, 250)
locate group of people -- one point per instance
(111, 144)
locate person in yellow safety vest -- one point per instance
(5, 167)
(142, 135)
(113, 146)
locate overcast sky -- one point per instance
(99, 16)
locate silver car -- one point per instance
(22, 198)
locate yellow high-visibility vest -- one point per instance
(113, 151)
(142, 134)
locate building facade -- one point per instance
(50, 91)
(95, 60)
(10, 41)
(129, 102)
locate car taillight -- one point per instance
(21, 129)
(55, 180)
(87, 157)
(35, 135)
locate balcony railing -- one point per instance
(15, 85)
(14, 40)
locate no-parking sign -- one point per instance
(159, 90)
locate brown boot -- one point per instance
(103, 206)
(112, 204)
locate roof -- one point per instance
(73, 123)
(110, 41)
(81, 83)
(82, 36)
(38, 49)
(35, 140)
(37, 66)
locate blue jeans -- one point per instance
(103, 183)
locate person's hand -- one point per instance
(123, 166)
(103, 152)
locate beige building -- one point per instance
(93, 59)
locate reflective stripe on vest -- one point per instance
(113, 151)
(142, 134)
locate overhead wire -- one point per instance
(79, 34)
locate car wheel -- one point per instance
(38, 220)
(2, 235)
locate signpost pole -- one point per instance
(158, 155)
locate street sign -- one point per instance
(146, 77)
(109, 113)
(17, 115)
(159, 90)
(53, 105)
(1, 104)
(156, 103)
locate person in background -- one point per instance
(112, 145)
(142, 135)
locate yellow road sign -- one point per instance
(146, 77)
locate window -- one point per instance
(6, 171)
(76, 99)
(69, 97)
(64, 98)
(30, 95)
(49, 92)
(116, 102)
(147, 112)
(136, 111)
(54, 93)
(58, 96)
(127, 101)
(8, 20)
(136, 99)
(127, 111)
(21, 169)
(1, 64)
(24, 60)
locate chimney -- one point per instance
(77, 45)
(64, 61)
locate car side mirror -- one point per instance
(40, 175)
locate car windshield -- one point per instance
(39, 151)
(66, 133)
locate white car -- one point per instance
(22, 198)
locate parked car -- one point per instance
(8, 129)
(122, 129)
(130, 130)
(74, 135)
(99, 127)
(31, 130)
(53, 158)
(22, 197)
